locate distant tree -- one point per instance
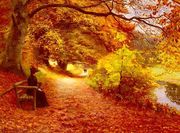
(24, 10)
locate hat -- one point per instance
(33, 70)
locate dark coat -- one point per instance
(41, 97)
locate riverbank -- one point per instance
(162, 98)
(75, 107)
(167, 80)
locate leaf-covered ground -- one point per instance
(75, 107)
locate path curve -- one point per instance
(89, 111)
(75, 107)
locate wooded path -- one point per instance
(75, 107)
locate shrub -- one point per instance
(120, 75)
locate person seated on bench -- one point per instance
(41, 100)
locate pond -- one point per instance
(164, 98)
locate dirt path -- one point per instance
(75, 107)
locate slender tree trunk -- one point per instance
(16, 37)
(122, 67)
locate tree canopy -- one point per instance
(105, 20)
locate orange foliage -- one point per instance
(81, 109)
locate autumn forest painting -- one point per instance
(89, 66)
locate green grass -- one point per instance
(164, 74)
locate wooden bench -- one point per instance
(21, 93)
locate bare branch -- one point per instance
(99, 14)
(141, 20)
(70, 7)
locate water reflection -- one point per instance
(173, 92)
(164, 99)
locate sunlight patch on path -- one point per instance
(63, 83)
(68, 81)
(70, 85)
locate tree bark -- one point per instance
(19, 27)
(16, 37)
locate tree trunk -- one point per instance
(16, 37)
